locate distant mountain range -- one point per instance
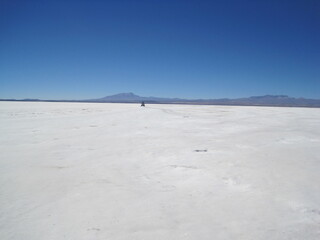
(267, 100)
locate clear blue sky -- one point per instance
(64, 49)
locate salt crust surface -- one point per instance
(124, 172)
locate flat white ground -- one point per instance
(81, 171)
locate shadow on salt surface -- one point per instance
(201, 150)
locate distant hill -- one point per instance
(266, 100)
(131, 97)
(121, 97)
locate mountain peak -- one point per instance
(129, 96)
(270, 96)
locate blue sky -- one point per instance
(80, 49)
